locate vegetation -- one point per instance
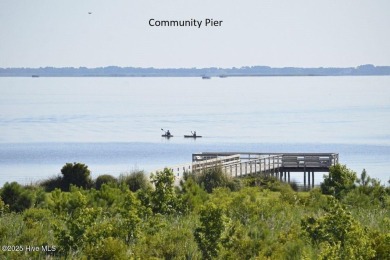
(76, 174)
(105, 179)
(210, 216)
(135, 181)
(215, 177)
(340, 181)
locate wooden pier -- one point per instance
(279, 165)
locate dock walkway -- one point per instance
(239, 164)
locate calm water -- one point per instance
(114, 124)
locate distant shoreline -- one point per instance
(177, 76)
(254, 71)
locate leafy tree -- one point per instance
(77, 174)
(339, 181)
(364, 178)
(208, 234)
(164, 199)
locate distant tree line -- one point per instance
(115, 71)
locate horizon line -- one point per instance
(198, 68)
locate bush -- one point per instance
(164, 198)
(52, 183)
(339, 181)
(208, 234)
(135, 181)
(266, 182)
(109, 248)
(36, 215)
(193, 195)
(294, 186)
(106, 178)
(77, 174)
(16, 197)
(215, 177)
(338, 233)
(3, 207)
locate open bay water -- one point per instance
(114, 124)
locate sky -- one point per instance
(276, 33)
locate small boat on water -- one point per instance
(193, 135)
(166, 134)
(206, 77)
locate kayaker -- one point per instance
(194, 133)
(168, 133)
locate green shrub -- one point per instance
(215, 177)
(294, 185)
(104, 179)
(208, 234)
(193, 195)
(337, 232)
(4, 208)
(164, 199)
(36, 215)
(167, 238)
(76, 174)
(52, 183)
(16, 197)
(108, 249)
(339, 181)
(135, 181)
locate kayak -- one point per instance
(192, 136)
(167, 136)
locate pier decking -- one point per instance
(239, 164)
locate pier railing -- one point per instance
(238, 164)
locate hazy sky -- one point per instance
(276, 33)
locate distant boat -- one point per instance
(166, 134)
(223, 76)
(192, 136)
(35, 76)
(206, 77)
